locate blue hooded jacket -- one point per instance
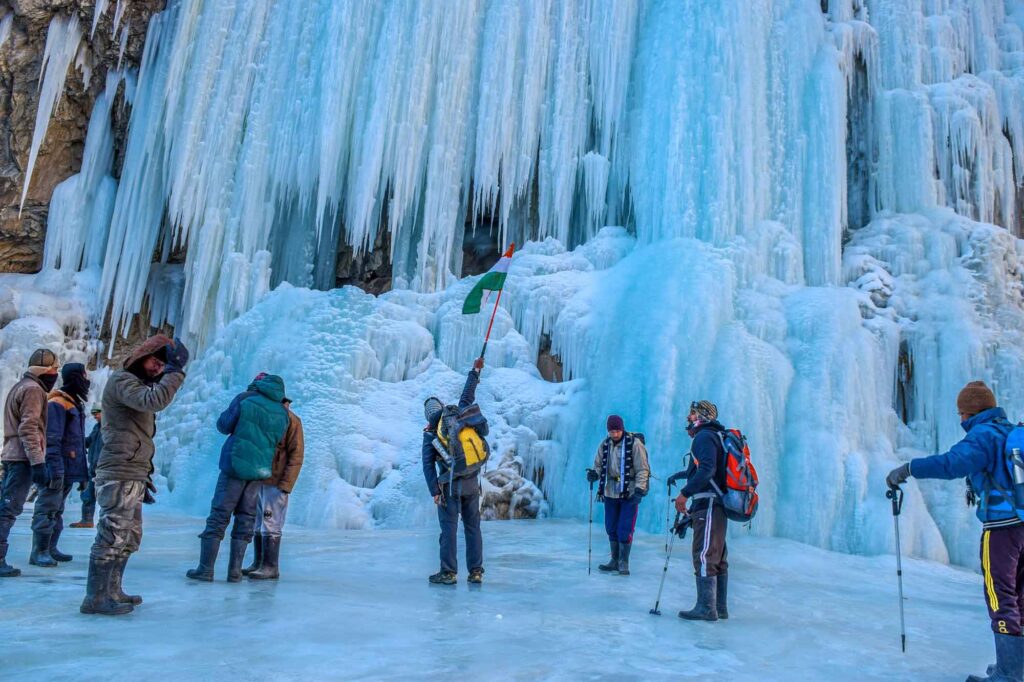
(66, 455)
(980, 458)
(269, 387)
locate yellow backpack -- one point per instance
(468, 451)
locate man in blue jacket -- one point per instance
(94, 445)
(454, 496)
(980, 458)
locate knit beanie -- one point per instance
(705, 409)
(975, 397)
(432, 408)
(615, 423)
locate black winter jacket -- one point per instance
(706, 464)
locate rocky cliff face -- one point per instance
(22, 228)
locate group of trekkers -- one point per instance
(45, 445)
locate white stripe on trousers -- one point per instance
(707, 542)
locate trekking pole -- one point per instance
(664, 571)
(590, 528)
(668, 517)
(896, 495)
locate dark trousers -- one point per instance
(620, 518)
(464, 502)
(13, 493)
(48, 514)
(89, 501)
(1002, 566)
(233, 497)
(710, 554)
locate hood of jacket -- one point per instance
(271, 386)
(154, 345)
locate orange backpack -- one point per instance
(740, 495)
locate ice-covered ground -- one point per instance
(356, 605)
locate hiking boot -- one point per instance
(84, 523)
(476, 576)
(40, 555)
(6, 570)
(624, 550)
(235, 559)
(116, 593)
(98, 599)
(58, 555)
(707, 600)
(208, 548)
(443, 577)
(257, 555)
(723, 595)
(271, 554)
(613, 563)
(1009, 665)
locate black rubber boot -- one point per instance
(1009, 665)
(56, 553)
(208, 548)
(271, 556)
(6, 570)
(235, 559)
(116, 593)
(707, 601)
(723, 596)
(40, 555)
(98, 599)
(443, 577)
(257, 555)
(624, 550)
(613, 563)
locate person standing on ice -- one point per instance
(455, 495)
(980, 457)
(93, 445)
(272, 502)
(705, 471)
(65, 462)
(24, 450)
(623, 473)
(148, 382)
(255, 423)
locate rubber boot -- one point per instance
(707, 600)
(613, 563)
(116, 593)
(271, 555)
(208, 548)
(235, 559)
(58, 555)
(723, 596)
(1009, 665)
(98, 599)
(257, 555)
(40, 555)
(624, 550)
(6, 570)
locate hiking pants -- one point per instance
(233, 497)
(119, 530)
(620, 518)
(271, 510)
(48, 514)
(464, 502)
(1002, 566)
(89, 501)
(710, 555)
(13, 493)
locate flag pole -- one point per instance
(494, 312)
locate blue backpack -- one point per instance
(1004, 491)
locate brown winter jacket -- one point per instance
(25, 422)
(288, 456)
(129, 419)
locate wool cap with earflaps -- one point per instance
(615, 423)
(42, 361)
(705, 409)
(975, 397)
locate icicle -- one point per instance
(122, 5)
(62, 40)
(97, 11)
(123, 43)
(83, 62)
(5, 28)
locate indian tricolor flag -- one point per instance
(493, 280)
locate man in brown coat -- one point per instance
(273, 504)
(24, 450)
(148, 383)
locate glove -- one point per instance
(40, 476)
(177, 357)
(149, 497)
(675, 478)
(681, 503)
(592, 476)
(81, 486)
(640, 493)
(680, 528)
(478, 364)
(898, 475)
